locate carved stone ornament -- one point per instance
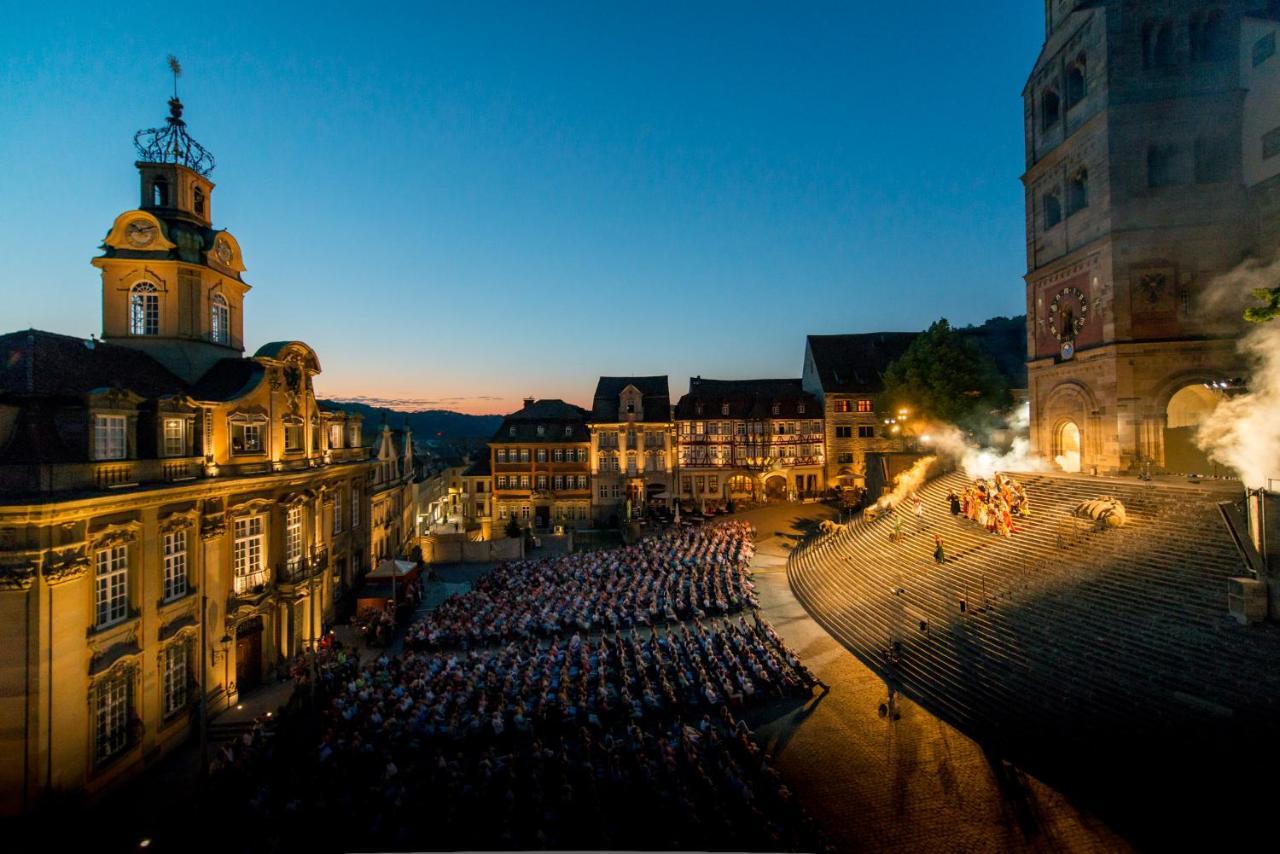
(115, 535)
(17, 576)
(213, 527)
(178, 521)
(65, 566)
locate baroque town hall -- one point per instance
(174, 517)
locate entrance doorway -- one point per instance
(775, 488)
(249, 655)
(542, 516)
(1067, 447)
(1187, 410)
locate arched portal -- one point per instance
(775, 488)
(1190, 407)
(1067, 446)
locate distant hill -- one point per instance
(427, 424)
(1004, 339)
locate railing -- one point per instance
(109, 475)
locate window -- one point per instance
(541, 430)
(842, 406)
(713, 483)
(1160, 165)
(1050, 108)
(160, 193)
(246, 438)
(111, 715)
(249, 556)
(524, 512)
(582, 481)
(686, 484)
(293, 536)
(864, 405)
(541, 456)
(219, 320)
(335, 435)
(1209, 37)
(568, 430)
(1213, 160)
(112, 585)
(524, 455)
(558, 455)
(844, 457)
(502, 481)
(631, 463)
(197, 201)
(1052, 210)
(800, 408)
(724, 409)
(293, 437)
(844, 432)
(144, 309)
(108, 437)
(524, 481)
(542, 481)
(353, 434)
(175, 565)
(1157, 44)
(866, 431)
(1264, 48)
(173, 677)
(1271, 143)
(702, 483)
(1077, 87)
(777, 409)
(337, 511)
(355, 507)
(1078, 192)
(511, 431)
(175, 437)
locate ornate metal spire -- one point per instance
(172, 143)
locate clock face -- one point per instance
(140, 233)
(223, 250)
(1068, 314)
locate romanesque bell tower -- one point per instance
(1136, 201)
(171, 282)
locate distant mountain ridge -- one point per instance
(425, 424)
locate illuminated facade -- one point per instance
(632, 445)
(845, 372)
(175, 518)
(749, 440)
(540, 459)
(393, 501)
(1139, 152)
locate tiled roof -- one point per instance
(47, 364)
(747, 399)
(552, 415)
(655, 398)
(853, 364)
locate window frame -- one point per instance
(175, 573)
(144, 310)
(106, 450)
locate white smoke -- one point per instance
(906, 483)
(979, 461)
(1244, 431)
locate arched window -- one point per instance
(1052, 210)
(1157, 44)
(219, 320)
(198, 201)
(144, 309)
(160, 193)
(1078, 192)
(1077, 88)
(1050, 108)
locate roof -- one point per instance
(47, 364)
(553, 415)
(227, 380)
(655, 398)
(855, 364)
(747, 399)
(479, 468)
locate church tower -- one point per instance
(171, 282)
(1136, 201)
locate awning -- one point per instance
(392, 569)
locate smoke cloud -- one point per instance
(979, 461)
(1243, 432)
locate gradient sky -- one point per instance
(464, 206)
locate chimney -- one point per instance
(528, 402)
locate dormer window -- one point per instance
(724, 409)
(219, 320)
(541, 430)
(800, 408)
(109, 437)
(175, 437)
(511, 431)
(568, 430)
(697, 408)
(631, 408)
(144, 309)
(246, 435)
(777, 409)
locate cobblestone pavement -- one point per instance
(877, 784)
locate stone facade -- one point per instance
(175, 519)
(633, 448)
(540, 459)
(1135, 202)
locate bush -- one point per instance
(513, 528)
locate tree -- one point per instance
(513, 528)
(1270, 308)
(945, 376)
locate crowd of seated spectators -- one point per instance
(678, 575)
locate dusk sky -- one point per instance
(459, 207)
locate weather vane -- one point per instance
(176, 68)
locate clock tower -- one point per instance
(171, 282)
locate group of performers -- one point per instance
(993, 503)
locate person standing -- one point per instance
(919, 511)
(939, 553)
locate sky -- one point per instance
(461, 204)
